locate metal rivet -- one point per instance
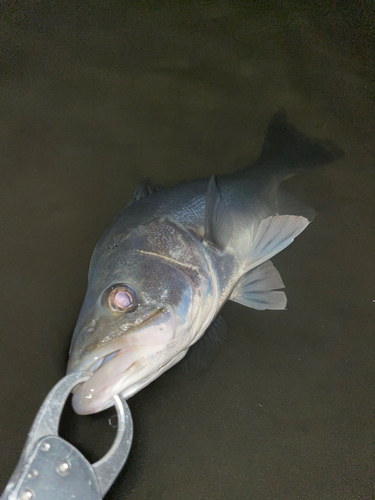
(63, 469)
(45, 447)
(26, 495)
(32, 474)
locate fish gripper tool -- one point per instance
(50, 468)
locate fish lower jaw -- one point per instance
(84, 404)
(124, 372)
(134, 388)
(138, 386)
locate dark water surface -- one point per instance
(95, 96)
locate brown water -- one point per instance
(95, 96)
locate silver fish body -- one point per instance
(169, 261)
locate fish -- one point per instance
(167, 264)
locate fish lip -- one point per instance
(106, 358)
(102, 361)
(103, 385)
(150, 337)
(108, 349)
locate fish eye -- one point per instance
(121, 298)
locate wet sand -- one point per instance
(97, 96)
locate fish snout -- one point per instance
(122, 365)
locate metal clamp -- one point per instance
(51, 468)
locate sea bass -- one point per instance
(170, 260)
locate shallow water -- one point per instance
(94, 99)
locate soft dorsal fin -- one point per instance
(259, 288)
(273, 235)
(145, 188)
(218, 221)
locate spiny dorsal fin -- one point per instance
(259, 288)
(218, 221)
(145, 188)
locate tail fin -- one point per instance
(285, 146)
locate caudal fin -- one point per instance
(284, 146)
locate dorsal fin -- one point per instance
(145, 188)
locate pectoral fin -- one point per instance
(218, 221)
(273, 235)
(258, 288)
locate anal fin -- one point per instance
(287, 204)
(259, 288)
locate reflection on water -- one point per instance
(95, 97)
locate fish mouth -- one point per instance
(102, 361)
(125, 364)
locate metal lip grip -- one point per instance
(50, 468)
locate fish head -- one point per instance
(136, 321)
